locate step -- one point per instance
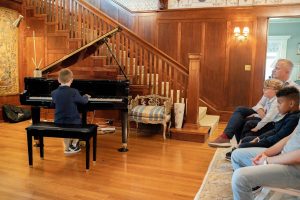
(202, 112)
(191, 133)
(211, 121)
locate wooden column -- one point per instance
(193, 89)
(191, 130)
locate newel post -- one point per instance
(193, 93)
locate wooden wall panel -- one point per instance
(191, 34)
(118, 13)
(167, 38)
(213, 61)
(126, 18)
(110, 9)
(238, 85)
(259, 59)
(146, 27)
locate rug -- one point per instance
(217, 181)
(9, 79)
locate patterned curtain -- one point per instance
(9, 83)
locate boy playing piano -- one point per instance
(65, 100)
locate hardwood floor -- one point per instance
(151, 169)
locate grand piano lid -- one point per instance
(79, 54)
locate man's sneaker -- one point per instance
(220, 142)
(68, 152)
(256, 189)
(228, 154)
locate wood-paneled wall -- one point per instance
(224, 81)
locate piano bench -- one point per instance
(50, 129)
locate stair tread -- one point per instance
(202, 130)
(209, 120)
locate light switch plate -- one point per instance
(247, 67)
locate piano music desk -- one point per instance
(49, 129)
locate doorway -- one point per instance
(283, 42)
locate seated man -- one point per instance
(277, 166)
(282, 71)
(288, 105)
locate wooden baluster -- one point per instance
(61, 19)
(84, 25)
(154, 74)
(79, 22)
(126, 53)
(131, 57)
(159, 72)
(45, 9)
(57, 13)
(118, 47)
(72, 19)
(146, 66)
(122, 44)
(136, 62)
(150, 69)
(164, 78)
(53, 14)
(67, 15)
(141, 64)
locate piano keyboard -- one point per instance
(106, 99)
(90, 99)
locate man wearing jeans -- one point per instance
(236, 123)
(277, 166)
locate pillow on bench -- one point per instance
(153, 112)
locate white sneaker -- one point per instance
(74, 149)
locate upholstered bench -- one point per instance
(151, 109)
(50, 129)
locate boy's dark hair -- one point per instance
(290, 93)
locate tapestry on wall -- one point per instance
(9, 79)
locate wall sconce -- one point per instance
(241, 36)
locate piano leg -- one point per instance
(124, 116)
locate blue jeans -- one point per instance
(237, 120)
(246, 176)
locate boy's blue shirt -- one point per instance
(65, 100)
(283, 127)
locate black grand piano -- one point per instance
(105, 94)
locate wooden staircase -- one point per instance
(75, 23)
(70, 24)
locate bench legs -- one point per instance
(94, 146)
(87, 152)
(41, 139)
(87, 147)
(29, 146)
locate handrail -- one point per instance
(134, 36)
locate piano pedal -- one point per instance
(45, 120)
